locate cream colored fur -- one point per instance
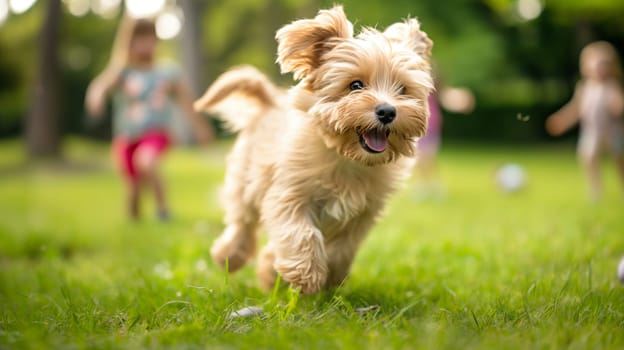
(302, 165)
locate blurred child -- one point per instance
(598, 103)
(142, 110)
(427, 181)
(453, 99)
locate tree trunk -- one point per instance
(193, 58)
(42, 122)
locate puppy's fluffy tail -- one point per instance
(239, 96)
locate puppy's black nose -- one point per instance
(385, 113)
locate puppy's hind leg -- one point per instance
(237, 243)
(341, 251)
(340, 256)
(264, 269)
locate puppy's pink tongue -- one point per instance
(376, 140)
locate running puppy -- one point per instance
(315, 165)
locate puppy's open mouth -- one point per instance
(374, 140)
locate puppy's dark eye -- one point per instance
(356, 85)
(403, 90)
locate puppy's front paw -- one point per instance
(307, 275)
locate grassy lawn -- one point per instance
(478, 269)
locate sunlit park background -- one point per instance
(475, 265)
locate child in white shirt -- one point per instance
(598, 104)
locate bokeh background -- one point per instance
(519, 57)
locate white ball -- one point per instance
(621, 271)
(510, 177)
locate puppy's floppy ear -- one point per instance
(302, 43)
(409, 34)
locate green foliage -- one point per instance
(479, 269)
(518, 66)
(17, 52)
(243, 31)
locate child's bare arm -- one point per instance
(616, 101)
(98, 90)
(566, 117)
(203, 131)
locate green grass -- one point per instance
(479, 269)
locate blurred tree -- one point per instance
(193, 57)
(18, 47)
(42, 123)
(11, 90)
